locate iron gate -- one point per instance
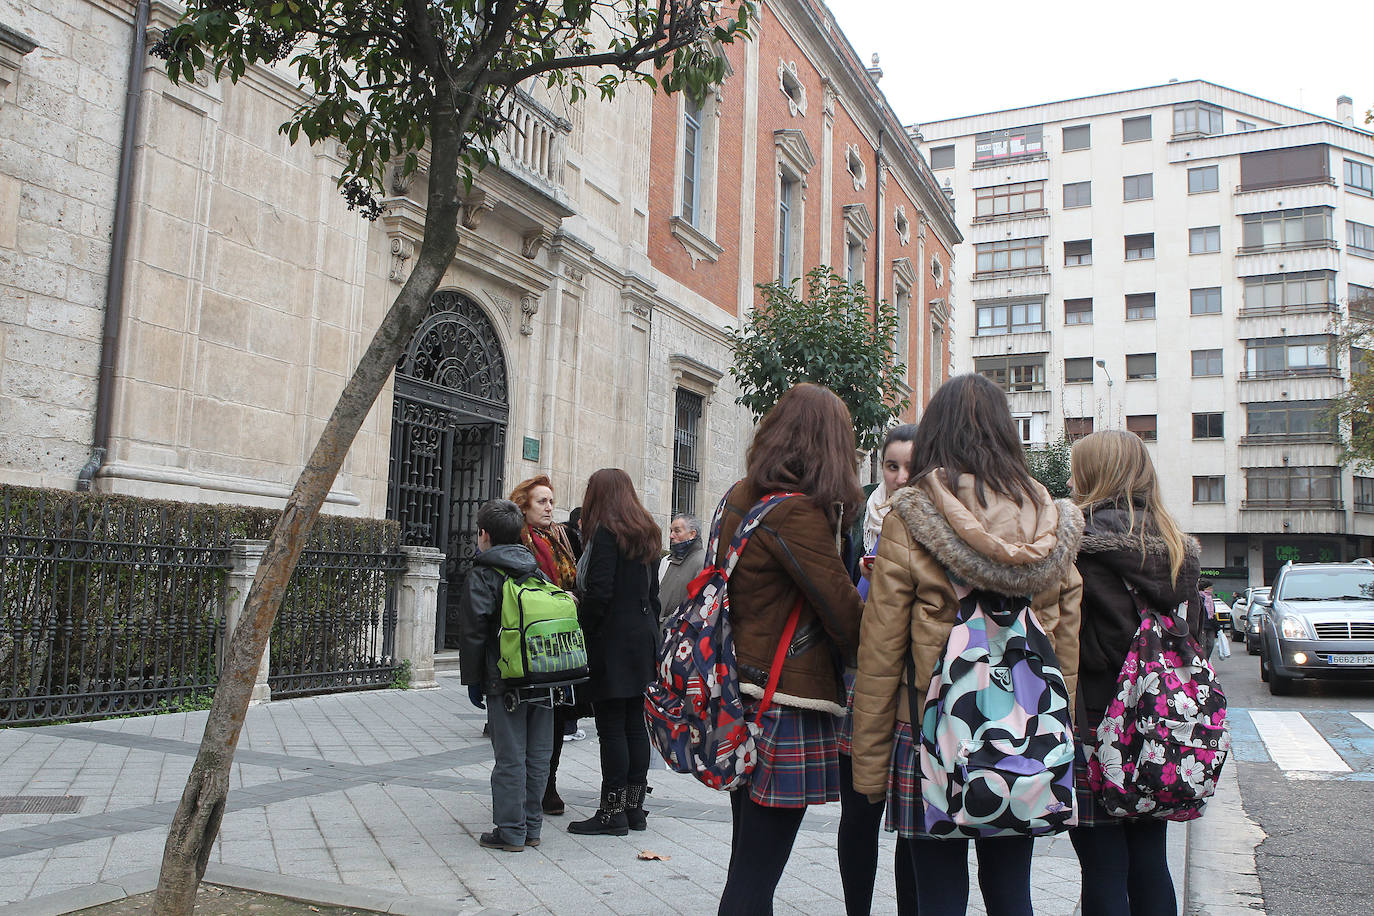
(448, 436)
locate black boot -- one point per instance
(552, 804)
(609, 819)
(635, 814)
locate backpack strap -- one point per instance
(751, 521)
(779, 657)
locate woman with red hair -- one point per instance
(555, 557)
(619, 614)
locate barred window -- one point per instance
(686, 453)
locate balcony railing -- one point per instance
(1007, 217)
(535, 140)
(1306, 308)
(1317, 438)
(1010, 272)
(1299, 503)
(1010, 160)
(1294, 183)
(1306, 372)
(1304, 245)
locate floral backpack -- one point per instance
(1164, 738)
(694, 711)
(996, 750)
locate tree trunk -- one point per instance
(193, 830)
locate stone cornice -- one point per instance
(13, 46)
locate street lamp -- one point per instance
(1102, 364)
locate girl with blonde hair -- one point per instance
(1132, 555)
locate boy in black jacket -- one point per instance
(521, 721)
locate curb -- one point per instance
(306, 890)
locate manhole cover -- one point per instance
(41, 804)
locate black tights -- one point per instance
(1004, 865)
(860, 821)
(768, 835)
(1125, 869)
(624, 741)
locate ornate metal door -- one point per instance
(448, 435)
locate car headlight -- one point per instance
(1292, 628)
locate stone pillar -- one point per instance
(244, 557)
(417, 597)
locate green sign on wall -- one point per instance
(531, 449)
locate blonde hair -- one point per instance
(1113, 466)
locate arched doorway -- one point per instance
(448, 439)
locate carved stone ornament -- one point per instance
(474, 209)
(400, 181)
(902, 224)
(502, 305)
(402, 250)
(791, 85)
(529, 307)
(533, 241)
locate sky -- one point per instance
(949, 59)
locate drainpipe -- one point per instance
(119, 248)
(879, 220)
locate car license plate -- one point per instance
(1348, 659)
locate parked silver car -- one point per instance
(1240, 611)
(1255, 611)
(1319, 624)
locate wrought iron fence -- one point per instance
(107, 606)
(336, 629)
(112, 605)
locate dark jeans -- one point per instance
(1004, 865)
(860, 821)
(624, 742)
(766, 835)
(1125, 869)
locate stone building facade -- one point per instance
(581, 325)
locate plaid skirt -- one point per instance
(844, 725)
(798, 764)
(1090, 810)
(905, 812)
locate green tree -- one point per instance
(834, 336)
(390, 79)
(1351, 411)
(1050, 465)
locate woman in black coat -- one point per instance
(619, 614)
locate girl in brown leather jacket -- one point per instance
(974, 517)
(805, 444)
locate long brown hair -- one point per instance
(1113, 465)
(967, 429)
(611, 501)
(806, 443)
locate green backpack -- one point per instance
(540, 640)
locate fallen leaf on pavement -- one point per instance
(648, 856)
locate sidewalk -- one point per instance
(375, 799)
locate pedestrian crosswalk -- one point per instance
(1312, 744)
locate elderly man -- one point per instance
(686, 556)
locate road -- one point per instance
(1306, 769)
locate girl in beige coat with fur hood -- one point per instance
(973, 516)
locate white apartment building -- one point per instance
(1172, 260)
